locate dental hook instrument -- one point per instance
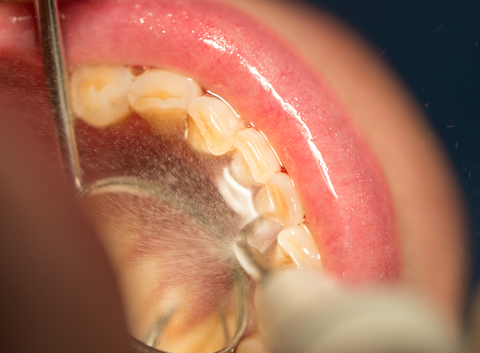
(310, 312)
(57, 84)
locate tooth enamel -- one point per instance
(105, 95)
(208, 335)
(162, 98)
(279, 199)
(241, 171)
(195, 138)
(259, 155)
(217, 122)
(253, 344)
(139, 284)
(299, 244)
(99, 94)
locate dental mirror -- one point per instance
(182, 292)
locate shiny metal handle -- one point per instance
(57, 84)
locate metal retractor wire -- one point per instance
(57, 84)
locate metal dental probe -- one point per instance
(309, 312)
(57, 84)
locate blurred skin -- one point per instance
(62, 294)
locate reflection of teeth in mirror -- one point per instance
(139, 284)
(260, 157)
(278, 199)
(162, 97)
(208, 335)
(253, 344)
(99, 94)
(298, 243)
(217, 122)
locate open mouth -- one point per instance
(237, 99)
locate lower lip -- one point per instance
(341, 185)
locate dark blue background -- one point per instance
(435, 47)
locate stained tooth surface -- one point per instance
(298, 243)
(195, 138)
(278, 199)
(241, 171)
(208, 335)
(260, 157)
(99, 94)
(162, 98)
(217, 123)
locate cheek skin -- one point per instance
(429, 209)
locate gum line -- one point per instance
(231, 54)
(173, 104)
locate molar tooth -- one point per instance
(217, 122)
(162, 98)
(299, 244)
(279, 199)
(259, 155)
(99, 94)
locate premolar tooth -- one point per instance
(99, 94)
(279, 199)
(240, 170)
(195, 138)
(259, 155)
(162, 98)
(217, 122)
(299, 244)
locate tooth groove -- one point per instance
(298, 243)
(162, 98)
(99, 94)
(240, 170)
(217, 123)
(195, 138)
(259, 155)
(279, 199)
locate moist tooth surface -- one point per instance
(162, 98)
(278, 199)
(298, 243)
(173, 103)
(259, 155)
(99, 94)
(217, 123)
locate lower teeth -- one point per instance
(158, 176)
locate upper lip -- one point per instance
(340, 182)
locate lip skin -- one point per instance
(348, 208)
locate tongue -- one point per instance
(341, 185)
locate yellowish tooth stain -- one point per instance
(166, 122)
(272, 203)
(162, 94)
(97, 83)
(195, 139)
(206, 336)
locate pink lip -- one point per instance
(341, 185)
